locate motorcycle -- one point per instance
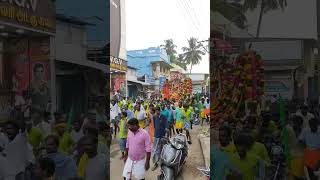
(173, 156)
(278, 163)
(205, 172)
(196, 120)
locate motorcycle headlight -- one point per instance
(276, 150)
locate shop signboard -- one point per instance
(118, 64)
(150, 80)
(34, 15)
(162, 80)
(277, 87)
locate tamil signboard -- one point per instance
(118, 64)
(34, 15)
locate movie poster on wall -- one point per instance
(32, 73)
(119, 84)
(5, 107)
(21, 75)
(40, 75)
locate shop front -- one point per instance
(26, 30)
(118, 54)
(118, 80)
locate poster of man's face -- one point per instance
(38, 71)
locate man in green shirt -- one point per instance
(123, 133)
(186, 116)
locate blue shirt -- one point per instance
(65, 166)
(160, 123)
(130, 114)
(220, 164)
(207, 105)
(166, 113)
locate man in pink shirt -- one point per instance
(138, 147)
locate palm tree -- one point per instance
(265, 6)
(181, 62)
(232, 11)
(192, 54)
(170, 48)
(235, 12)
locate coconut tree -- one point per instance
(235, 10)
(181, 62)
(192, 53)
(265, 6)
(170, 48)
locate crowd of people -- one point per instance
(55, 147)
(143, 126)
(245, 148)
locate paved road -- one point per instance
(189, 171)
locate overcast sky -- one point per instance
(150, 22)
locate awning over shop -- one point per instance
(280, 68)
(139, 82)
(88, 63)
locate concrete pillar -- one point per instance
(157, 70)
(53, 75)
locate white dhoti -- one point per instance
(134, 169)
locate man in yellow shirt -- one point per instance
(66, 144)
(259, 150)
(250, 166)
(123, 133)
(225, 139)
(140, 115)
(34, 136)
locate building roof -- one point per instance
(139, 82)
(143, 59)
(150, 52)
(163, 62)
(131, 67)
(177, 68)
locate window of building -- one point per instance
(68, 35)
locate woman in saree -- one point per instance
(151, 125)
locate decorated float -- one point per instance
(235, 83)
(177, 88)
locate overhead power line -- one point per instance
(186, 10)
(188, 2)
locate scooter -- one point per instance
(173, 156)
(205, 172)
